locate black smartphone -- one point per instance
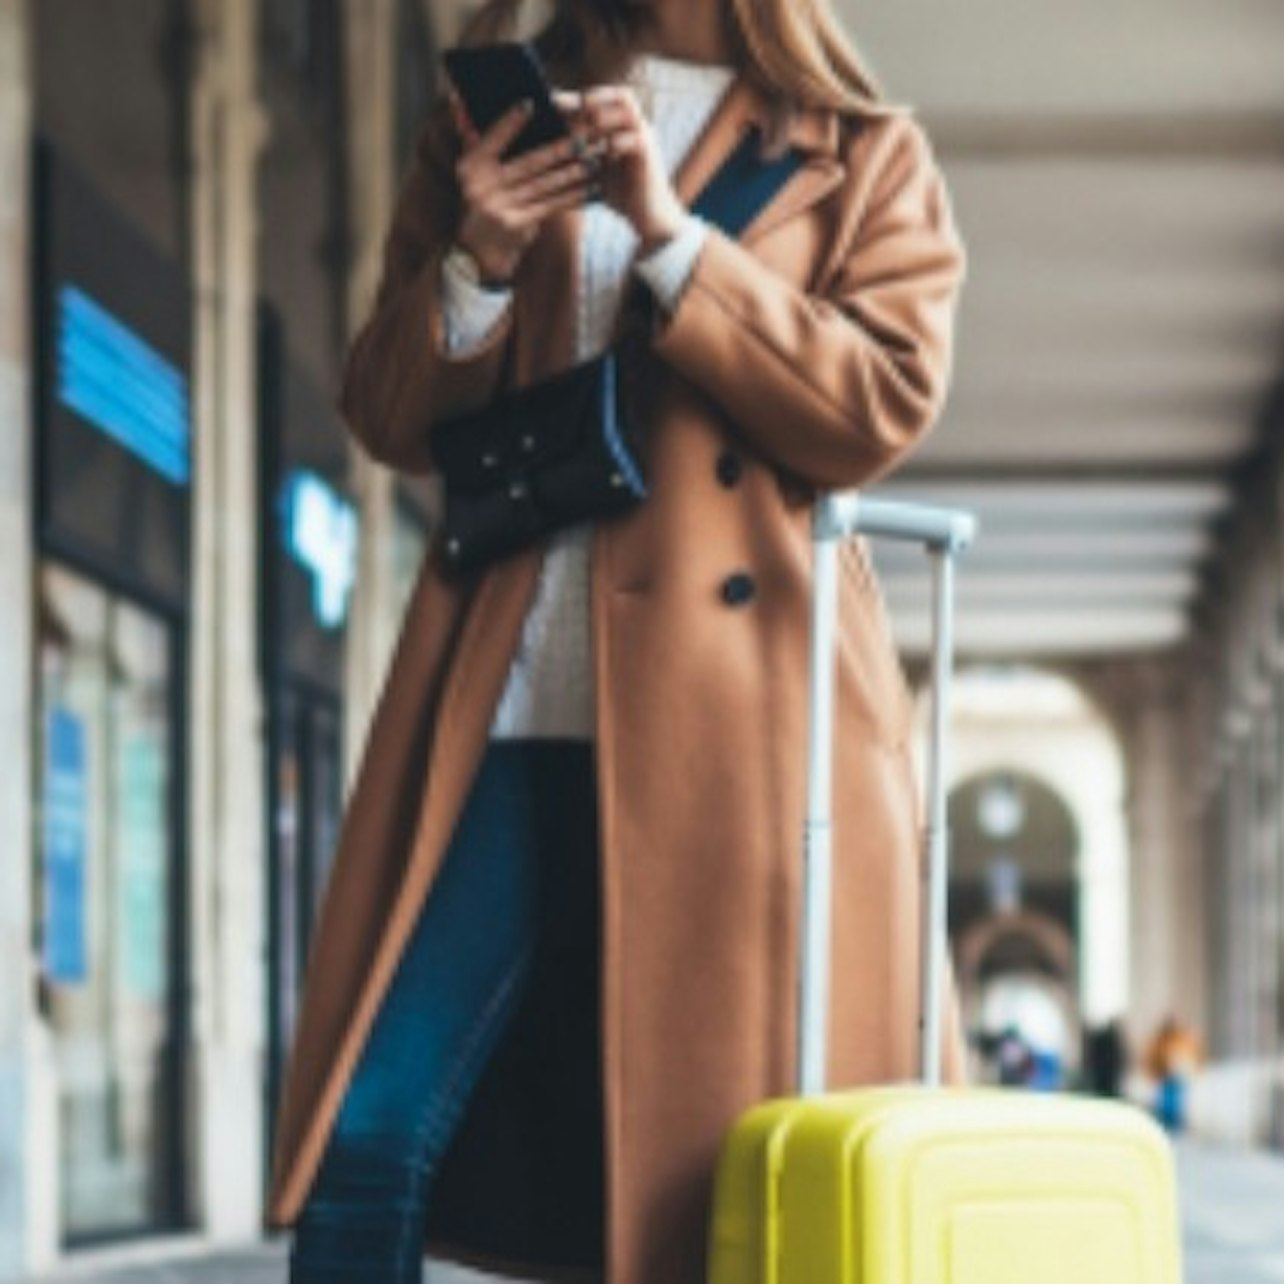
(492, 78)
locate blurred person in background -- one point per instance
(458, 1110)
(1013, 1058)
(1105, 1058)
(1047, 1074)
(1171, 1059)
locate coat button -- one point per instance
(737, 589)
(730, 468)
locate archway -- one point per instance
(1017, 969)
(1039, 842)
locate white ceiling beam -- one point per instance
(1048, 497)
(1066, 57)
(979, 434)
(1081, 549)
(1246, 133)
(1009, 633)
(1028, 590)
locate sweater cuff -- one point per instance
(469, 310)
(668, 268)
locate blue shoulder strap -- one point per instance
(744, 184)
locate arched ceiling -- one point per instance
(1118, 174)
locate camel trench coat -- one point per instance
(814, 351)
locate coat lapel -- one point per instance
(813, 130)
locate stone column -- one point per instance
(1188, 942)
(1258, 908)
(1266, 909)
(370, 77)
(1164, 892)
(1238, 897)
(20, 1156)
(1271, 883)
(227, 718)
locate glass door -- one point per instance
(305, 800)
(108, 883)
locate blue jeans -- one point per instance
(456, 987)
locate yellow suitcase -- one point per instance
(918, 1183)
(965, 1185)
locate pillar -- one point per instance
(1165, 883)
(17, 1014)
(370, 81)
(228, 129)
(20, 1112)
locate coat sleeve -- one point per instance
(399, 376)
(835, 386)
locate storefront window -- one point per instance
(106, 883)
(306, 823)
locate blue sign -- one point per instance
(118, 382)
(320, 526)
(65, 798)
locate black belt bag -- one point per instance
(562, 450)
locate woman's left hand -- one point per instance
(632, 176)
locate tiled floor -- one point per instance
(1233, 1216)
(1232, 1208)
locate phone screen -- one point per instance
(492, 78)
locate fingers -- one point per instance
(596, 95)
(613, 117)
(463, 125)
(524, 167)
(573, 173)
(493, 142)
(622, 142)
(602, 109)
(518, 194)
(608, 106)
(552, 204)
(569, 102)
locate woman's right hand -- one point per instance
(503, 203)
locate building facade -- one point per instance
(204, 575)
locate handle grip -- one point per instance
(844, 513)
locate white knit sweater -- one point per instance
(549, 690)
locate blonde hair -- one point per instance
(796, 51)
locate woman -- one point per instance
(557, 953)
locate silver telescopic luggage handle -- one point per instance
(944, 532)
